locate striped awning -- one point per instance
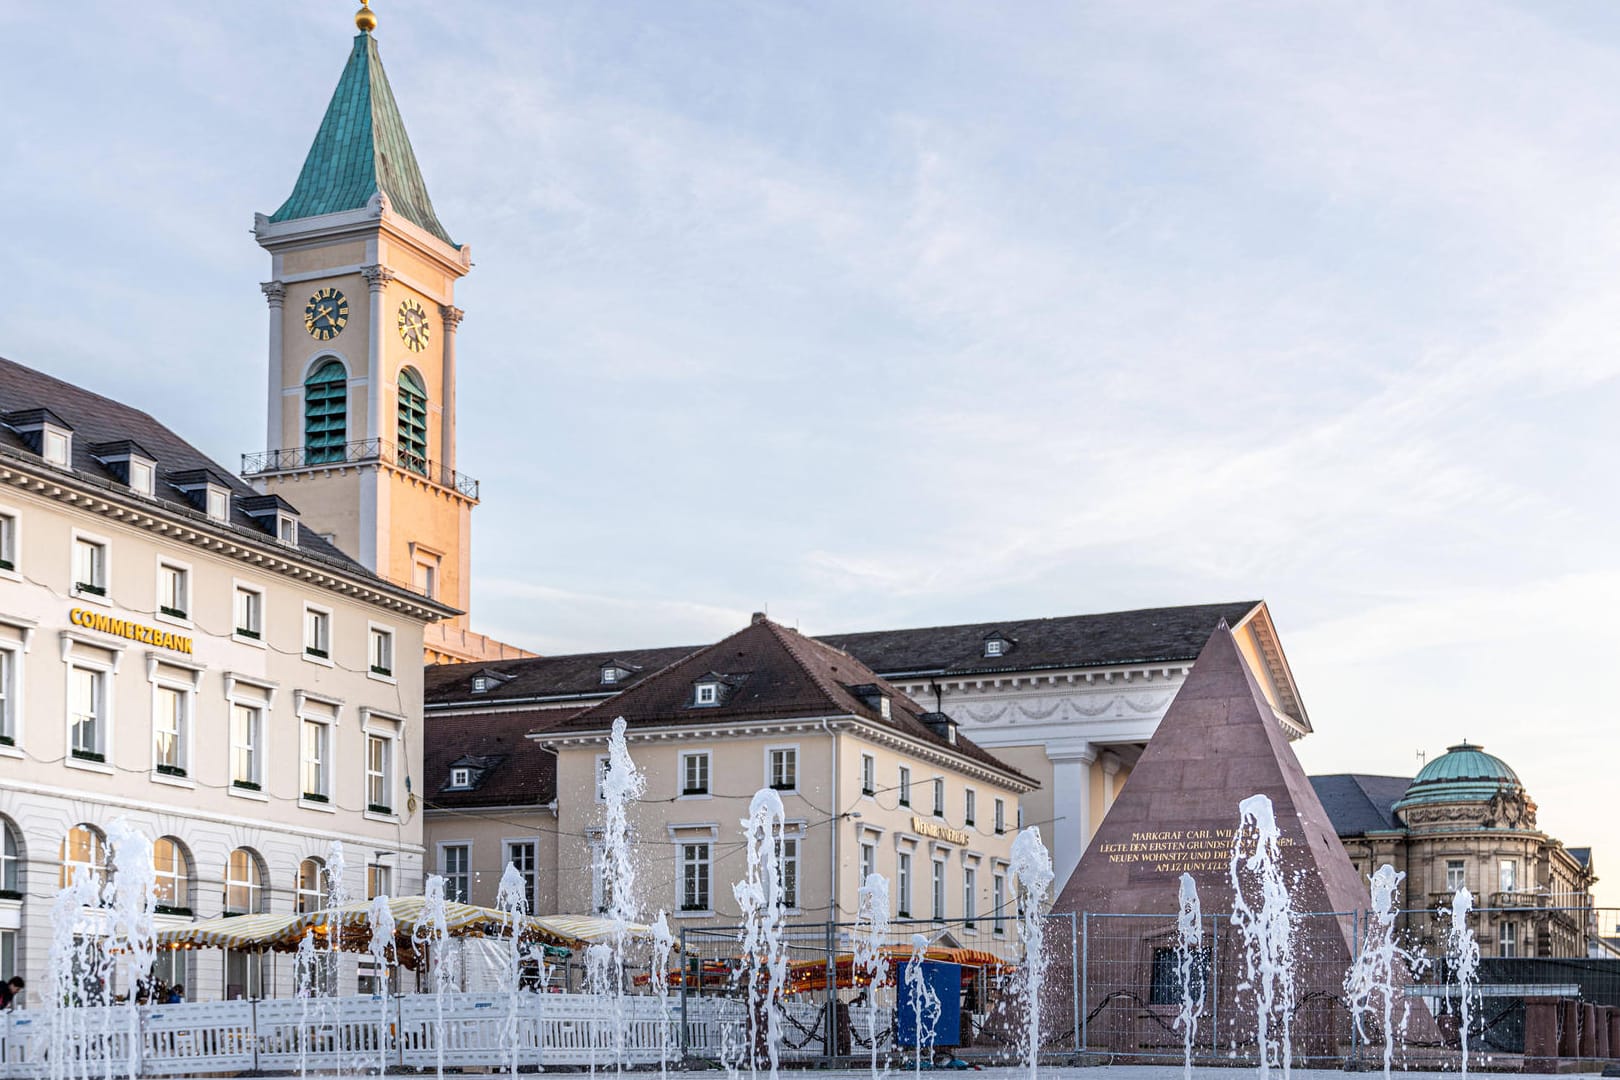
(350, 925)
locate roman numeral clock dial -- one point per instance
(413, 325)
(326, 314)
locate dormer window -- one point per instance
(128, 462)
(460, 778)
(707, 693)
(480, 684)
(58, 447)
(996, 646)
(287, 529)
(219, 504)
(47, 434)
(142, 478)
(884, 709)
(211, 493)
(610, 676)
(275, 515)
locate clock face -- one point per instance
(326, 314)
(413, 325)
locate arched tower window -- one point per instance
(172, 867)
(326, 413)
(413, 444)
(244, 882)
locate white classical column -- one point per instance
(452, 316)
(275, 293)
(1071, 806)
(377, 279)
(1110, 767)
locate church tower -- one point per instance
(361, 417)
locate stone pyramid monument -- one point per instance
(1218, 744)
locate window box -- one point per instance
(693, 907)
(967, 822)
(244, 632)
(86, 587)
(905, 802)
(378, 669)
(310, 650)
(10, 894)
(7, 740)
(171, 612)
(1001, 830)
(171, 770)
(970, 925)
(166, 909)
(784, 787)
(868, 791)
(89, 755)
(902, 914)
(315, 796)
(378, 808)
(7, 564)
(232, 914)
(249, 785)
(695, 791)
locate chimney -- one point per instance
(756, 618)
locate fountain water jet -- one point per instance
(871, 934)
(1370, 982)
(622, 784)
(306, 967)
(69, 965)
(380, 917)
(1031, 868)
(512, 901)
(663, 944)
(925, 1007)
(1189, 948)
(1267, 926)
(1462, 949)
(759, 897)
(431, 936)
(132, 897)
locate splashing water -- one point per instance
(1189, 951)
(1462, 948)
(337, 895)
(1370, 984)
(431, 936)
(925, 1006)
(512, 901)
(380, 917)
(306, 967)
(1031, 867)
(622, 784)
(1262, 910)
(871, 932)
(132, 897)
(759, 897)
(70, 965)
(663, 944)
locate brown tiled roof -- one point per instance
(102, 424)
(1148, 635)
(770, 673)
(514, 770)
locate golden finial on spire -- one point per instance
(365, 18)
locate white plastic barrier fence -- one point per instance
(204, 1036)
(336, 1034)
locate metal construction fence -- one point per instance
(1112, 988)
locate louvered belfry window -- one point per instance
(326, 409)
(412, 422)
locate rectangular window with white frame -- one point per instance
(788, 857)
(248, 613)
(1001, 817)
(381, 649)
(998, 903)
(87, 712)
(970, 898)
(524, 857)
(1508, 875)
(1507, 940)
(171, 730)
(1456, 875)
(905, 786)
(694, 773)
(173, 590)
(379, 773)
(455, 866)
(939, 796)
(782, 769)
(8, 697)
(317, 760)
(868, 774)
(247, 747)
(902, 891)
(317, 633)
(696, 862)
(90, 576)
(868, 860)
(938, 898)
(969, 807)
(8, 542)
(601, 888)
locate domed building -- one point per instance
(1466, 821)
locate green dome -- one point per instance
(1464, 773)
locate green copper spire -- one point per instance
(362, 149)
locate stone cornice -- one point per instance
(177, 526)
(376, 216)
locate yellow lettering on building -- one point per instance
(924, 827)
(145, 635)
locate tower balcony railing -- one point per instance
(359, 452)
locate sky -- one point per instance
(902, 314)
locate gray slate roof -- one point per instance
(1358, 804)
(97, 421)
(1149, 635)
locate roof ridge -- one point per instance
(804, 663)
(999, 623)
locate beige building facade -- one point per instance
(184, 653)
